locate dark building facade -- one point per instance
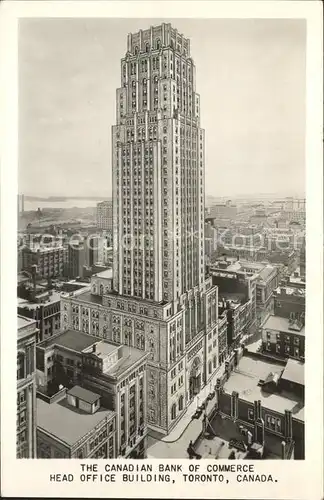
(46, 311)
(284, 337)
(26, 388)
(49, 262)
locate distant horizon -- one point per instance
(207, 195)
(250, 77)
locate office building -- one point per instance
(290, 302)
(222, 211)
(45, 309)
(160, 299)
(49, 261)
(105, 215)
(236, 298)
(284, 337)
(115, 373)
(26, 388)
(210, 242)
(74, 424)
(76, 259)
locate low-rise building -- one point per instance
(267, 282)
(284, 337)
(115, 372)
(49, 261)
(26, 388)
(289, 302)
(257, 414)
(45, 309)
(74, 424)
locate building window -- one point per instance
(250, 414)
(173, 411)
(180, 403)
(20, 365)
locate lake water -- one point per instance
(69, 203)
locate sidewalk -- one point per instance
(163, 448)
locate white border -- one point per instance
(296, 479)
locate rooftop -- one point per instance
(70, 339)
(89, 297)
(108, 273)
(290, 290)
(245, 378)
(67, 423)
(282, 325)
(23, 322)
(294, 372)
(55, 297)
(266, 272)
(81, 393)
(225, 429)
(103, 349)
(128, 356)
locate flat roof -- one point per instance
(294, 372)
(245, 378)
(266, 272)
(55, 297)
(71, 339)
(22, 321)
(281, 324)
(103, 348)
(107, 273)
(129, 356)
(84, 394)
(89, 297)
(67, 423)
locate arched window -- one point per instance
(147, 47)
(173, 411)
(136, 50)
(180, 403)
(101, 289)
(158, 43)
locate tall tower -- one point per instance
(158, 169)
(161, 300)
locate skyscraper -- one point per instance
(160, 300)
(158, 193)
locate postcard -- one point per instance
(161, 222)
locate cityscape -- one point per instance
(159, 321)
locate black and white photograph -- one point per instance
(161, 246)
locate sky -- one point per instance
(250, 74)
